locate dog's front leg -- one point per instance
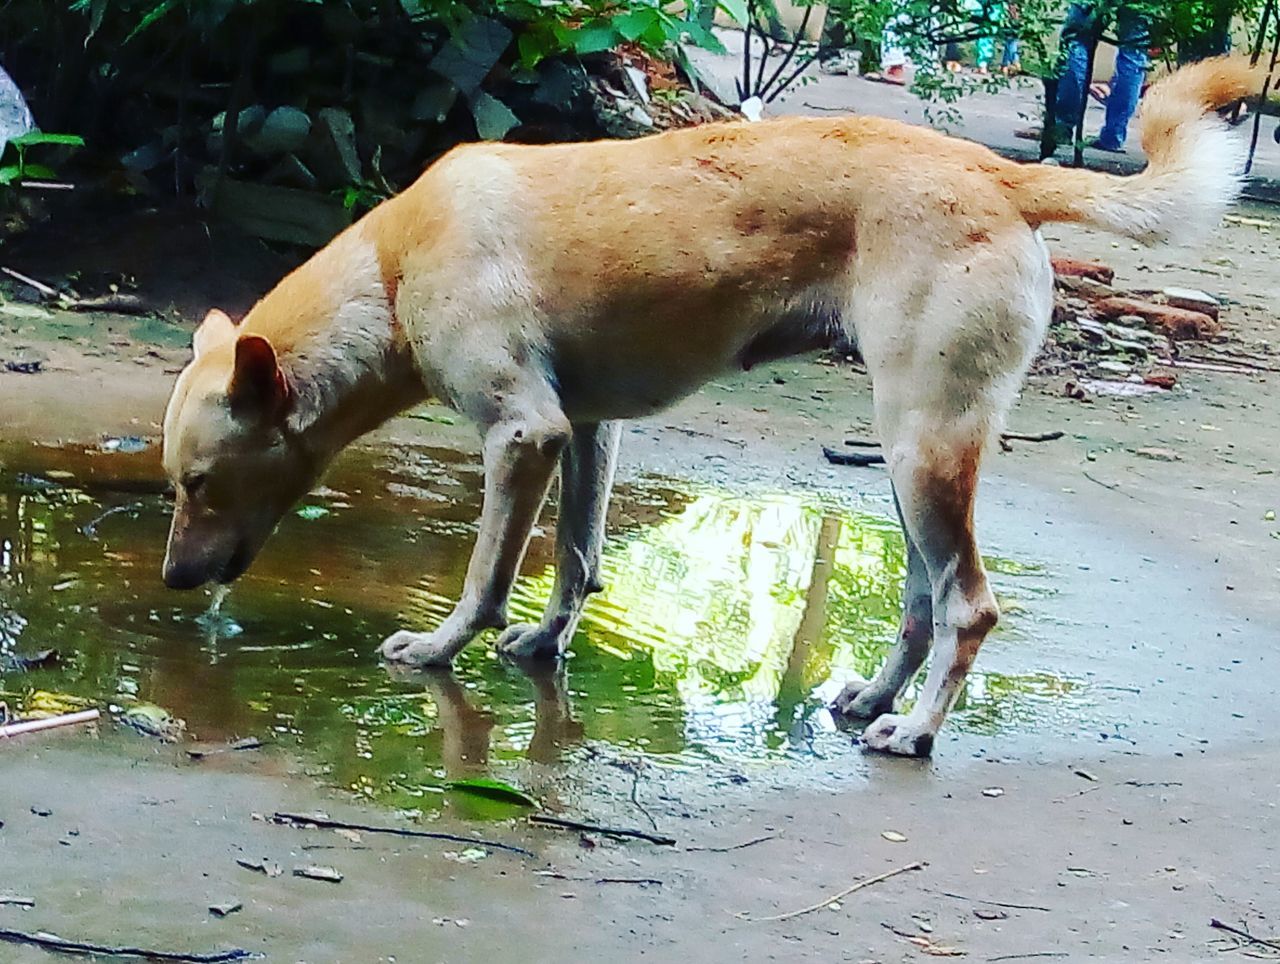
(586, 477)
(519, 459)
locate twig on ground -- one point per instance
(1243, 934)
(827, 901)
(17, 900)
(30, 282)
(48, 723)
(1227, 358)
(324, 823)
(547, 820)
(741, 846)
(556, 875)
(852, 458)
(1007, 437)
(1078, 793)
(1113, 486)
(1234, 368)
(635, 793)
(122, 303)
(1032, 436)
(119, 302)
(1027, 957)
(248, 743)
(875, 458)
(51, 942)
(993, 903)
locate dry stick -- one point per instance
(1234, 368)
(993, 903)
(1220, 925)
(741, 846)
(16, 900)
(1026, 957)
(1078, 793)
(48, 723)
(852, 458)
(40, 286)
(52, 943)
(1031, 436)
(326, 824)
(1113, 486)
(557, 875)
(548, 821)
(827, 901)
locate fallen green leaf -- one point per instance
(494, 790)
(312, 512)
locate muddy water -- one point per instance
(728, 624)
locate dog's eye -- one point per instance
(194, 483)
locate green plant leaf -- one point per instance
(737, 9)
(493, 118)
(637, 23)
(34, 138)
(494, 790)
(154, 14)
(312, 512)
(39, 172)
(593, 38)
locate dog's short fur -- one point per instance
(550, 292)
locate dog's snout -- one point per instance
(179, 575)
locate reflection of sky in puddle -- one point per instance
(728, 624)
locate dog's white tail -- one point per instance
(1193, 171)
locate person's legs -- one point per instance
(1070, 85)
(986, 50)
(1011, 55)
(1126, 84)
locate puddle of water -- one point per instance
(729, 622)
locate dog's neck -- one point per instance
(346, 361)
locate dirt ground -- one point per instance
(1167, 585)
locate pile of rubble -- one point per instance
(1110, 341)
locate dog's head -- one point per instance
(235, 468)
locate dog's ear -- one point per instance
(216, 329)
(258, 386)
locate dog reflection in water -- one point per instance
(466, 730)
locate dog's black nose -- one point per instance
(179, 576)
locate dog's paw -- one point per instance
(859, 701)
(900, 735)
(530, 641)
(415, 649)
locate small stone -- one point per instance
(1193, 300)
(1158, 454)
(225, 908)
(317, 872)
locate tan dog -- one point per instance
(549, 292)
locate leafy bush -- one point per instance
(154, 81)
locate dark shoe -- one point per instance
(1098, 145)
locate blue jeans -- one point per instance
(1126, 83)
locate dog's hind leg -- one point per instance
(866, 700)
(586, 477)
(945, 375)
(936, 474)
(521, 447)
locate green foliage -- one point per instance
(19, 169)
(152, 80)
